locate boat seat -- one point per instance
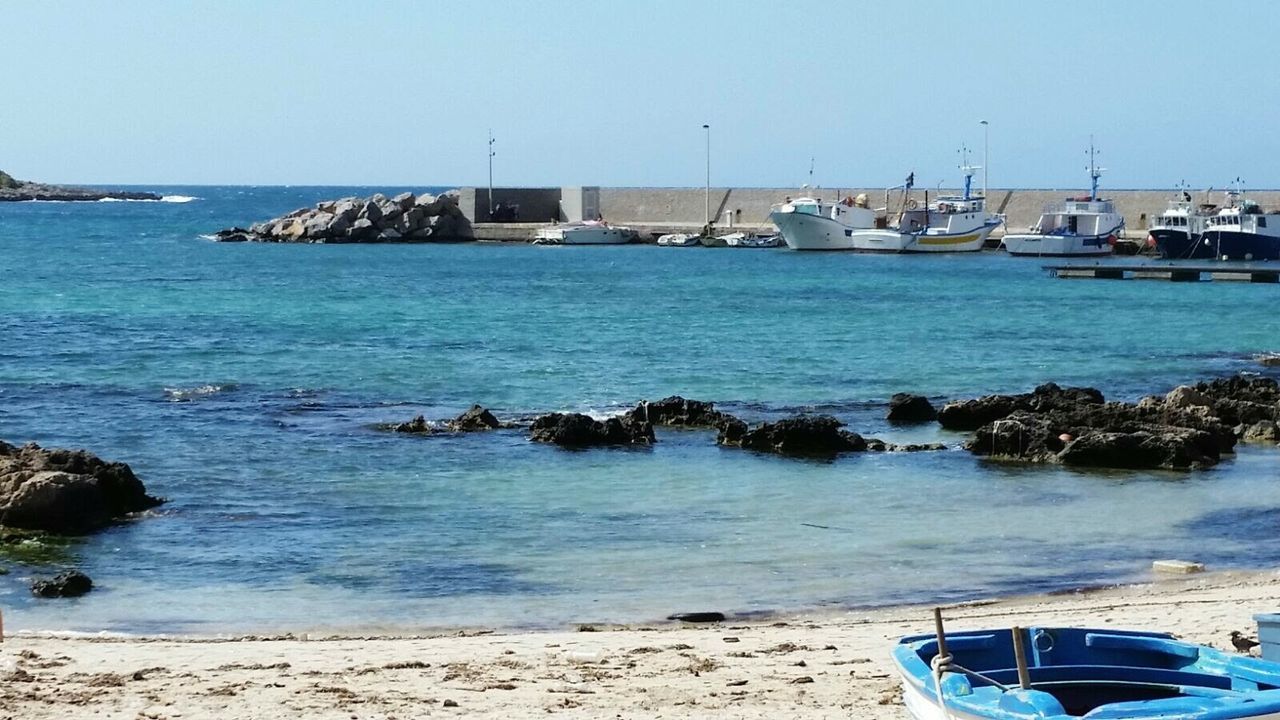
(1106, 641)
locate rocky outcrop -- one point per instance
(905, 408)
(477, 418)
(973, 414)
(803, 435)
(376, 219)
(676, 411)
(576, 430)
(12, 190)
(67, 492)
(1188, 428)
(72, 583)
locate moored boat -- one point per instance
(810, 224)
(592, 232)
(1077, 226)
(678, 240)
(1175, 233)
(952, 223)
(1241, 230)
(1080, 673)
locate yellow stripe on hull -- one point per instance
(950, 240)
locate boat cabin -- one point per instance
(1078, 216)
(843, 212)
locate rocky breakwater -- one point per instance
(377, 219)
(13, 190)
(1189, 428)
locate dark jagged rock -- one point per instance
(1264, 431)
(69, 492)
(878, 445)
(12, 190)
(680, 412)
(907, 408)
(578, 430)
(416, 426)
(72, 583)
(973, 414)
(697, 617)
(1163, 447)
(476, 418)
(376, 219)
(803, 435)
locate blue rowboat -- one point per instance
(1082, 673)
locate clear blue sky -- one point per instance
(615, 93)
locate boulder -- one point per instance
(1166, 448)
(319, 225)
(908, 408)
(476, 418)
(72, 583)
(339, 225)
(1022, 435)
(679, 412)
(416, 426)
(577, 430)
(68, 492)
(803, 435)
(1185, 396)
(362, 229)
(371, 211)
(404, 201)
(1263, 432)
(973, 414)
(389, 234)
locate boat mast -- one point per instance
(967, 169)
(1095, 172)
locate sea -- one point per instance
(244, 384)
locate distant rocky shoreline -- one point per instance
(405, 218)
(13, 190)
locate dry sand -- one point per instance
(832, 665)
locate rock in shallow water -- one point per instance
(907, 408)
(578, 430)
(803, 435)
(72, 583)
(67, 492)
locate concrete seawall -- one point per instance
(677, 208)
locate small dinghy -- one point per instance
(1055, 673)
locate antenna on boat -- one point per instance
(811, 171)
(1095, 172)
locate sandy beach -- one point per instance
(804, 666)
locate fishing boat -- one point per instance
(1075, 227)
(951, 223)
(1242, 230)
(591, 232)
(1175, 233)
(810, 224)
(1063, 673)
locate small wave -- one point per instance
(178, 198)
(207, 237)
(164, 199)
(189, 394)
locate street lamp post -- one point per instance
(707, 214)
(491, 154)
(985, 161)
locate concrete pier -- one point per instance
(684, 209)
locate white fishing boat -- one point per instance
(597, 232)
(678, 240)
(950, 224)
(810, 224)
(1077, 226)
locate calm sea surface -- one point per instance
(241, 382)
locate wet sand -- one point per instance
(833, 665)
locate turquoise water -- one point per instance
(240, 381)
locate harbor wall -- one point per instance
(676, 208)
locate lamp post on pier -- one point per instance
(985, 137)
(707, 214)
(491, 154)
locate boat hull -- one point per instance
(1036, 245)
(892, 241)
(1180, 245)
(1235, 245)
(802, 231)
(585, 236)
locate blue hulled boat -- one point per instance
(1081, 673)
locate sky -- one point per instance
(615, 93)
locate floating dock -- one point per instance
(1174, 273)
